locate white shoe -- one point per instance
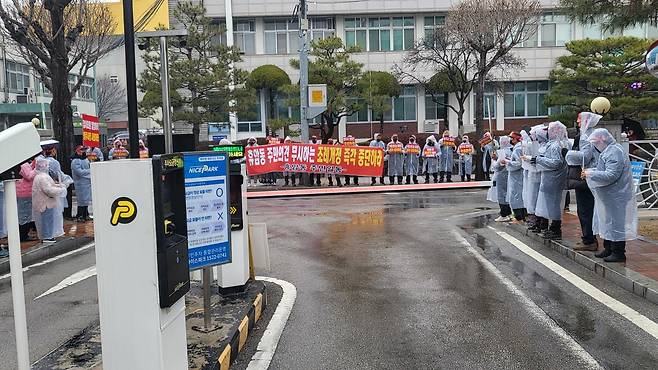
(503, 219)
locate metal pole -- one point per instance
(232, 116)
(207, 278)
(131, 77)
(303, 70)
(16, 268)
(166, 105)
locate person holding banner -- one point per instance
(378, 143)
(95, 154)
(411, 159)
(315, 177)
(538, 139)
(499, 166)
(447, 148)
(612, 184)
(288, 175)
(465, 151)
(330, 141)
(395, 151)
(251, 180)
(350, 141)
(488, 146)
(515, 178)
(143, 150)
(118, 151)
(431, 160)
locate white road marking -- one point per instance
(630, 314)
(53, 259)
(267, 346)
(566, 340)
(73, 279)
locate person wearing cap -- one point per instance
(81, 173)
(515, 178)
(349, 141)
(611, 183)
(412, 159)
(378, 143)
(431, 159)
(395, 152)
(465, 151)
(118, 151)
(446, 152)
(287, 176)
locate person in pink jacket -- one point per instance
(46, 203)
(24, 197)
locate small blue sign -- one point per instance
(218, 137)
(208, 217)
(637, 169)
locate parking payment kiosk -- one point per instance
(142, 262)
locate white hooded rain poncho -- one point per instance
(586, 156)
(553, 169)
(47, 202)
(611, 183)
(430, 156)
(500, 169)
(515, 177)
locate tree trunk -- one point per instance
(479, 112)
(330, 129)
(62, 115)
(381, 125)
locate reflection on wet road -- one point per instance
(382, 283)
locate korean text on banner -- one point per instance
(208, 217)
(90, 131)
(328, 159)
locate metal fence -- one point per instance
(644, 154)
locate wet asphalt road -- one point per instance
(384, 283)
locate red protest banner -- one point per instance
(329, 159)
(90, 131)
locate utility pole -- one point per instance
(303, 69)
(166, 105)
(131, 77)
(232, 116)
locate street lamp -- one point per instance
(164, 78)
(600, 105)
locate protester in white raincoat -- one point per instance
(539, 140)
(395, 152)
(612, 184)
(584, 156)
(378, 143)
(81, 171)
(46, 203)
(552, 188)
(515, 178)
(499, 166)
(465, 150)
(411, 159)
(430, 159)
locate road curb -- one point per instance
(230, 348)
(45, 251)
(628, 279)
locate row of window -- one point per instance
(521, 99)
(281, 36)
(18, 79)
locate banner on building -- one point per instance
(90, 131)
(328, 159)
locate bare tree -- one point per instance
(491, 28)
(110, 97)
(452, 66)
(56, 38)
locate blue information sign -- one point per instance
(637, 169)
(208, 218)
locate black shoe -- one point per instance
(373, 183)
(539, 230)
(603, 254)
(615, 257)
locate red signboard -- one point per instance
(329, 159)
(90, 131)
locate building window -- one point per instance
(404, 106)
(87, 89)
(253, 122)
(380, 33)
(73, 79)
(362, 114)
(244, 36)
(114, 79)
(434, 110)
(594, 31)
(18, 77)
(281, 36)
(321, 28)
(526, 99)
(490, 100)
(432, 23)
(553, 30)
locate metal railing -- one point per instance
(645, 155)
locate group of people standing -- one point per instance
(532, 172)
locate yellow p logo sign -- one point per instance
(124, 211)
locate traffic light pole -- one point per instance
(131, 77)
(303, 70)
